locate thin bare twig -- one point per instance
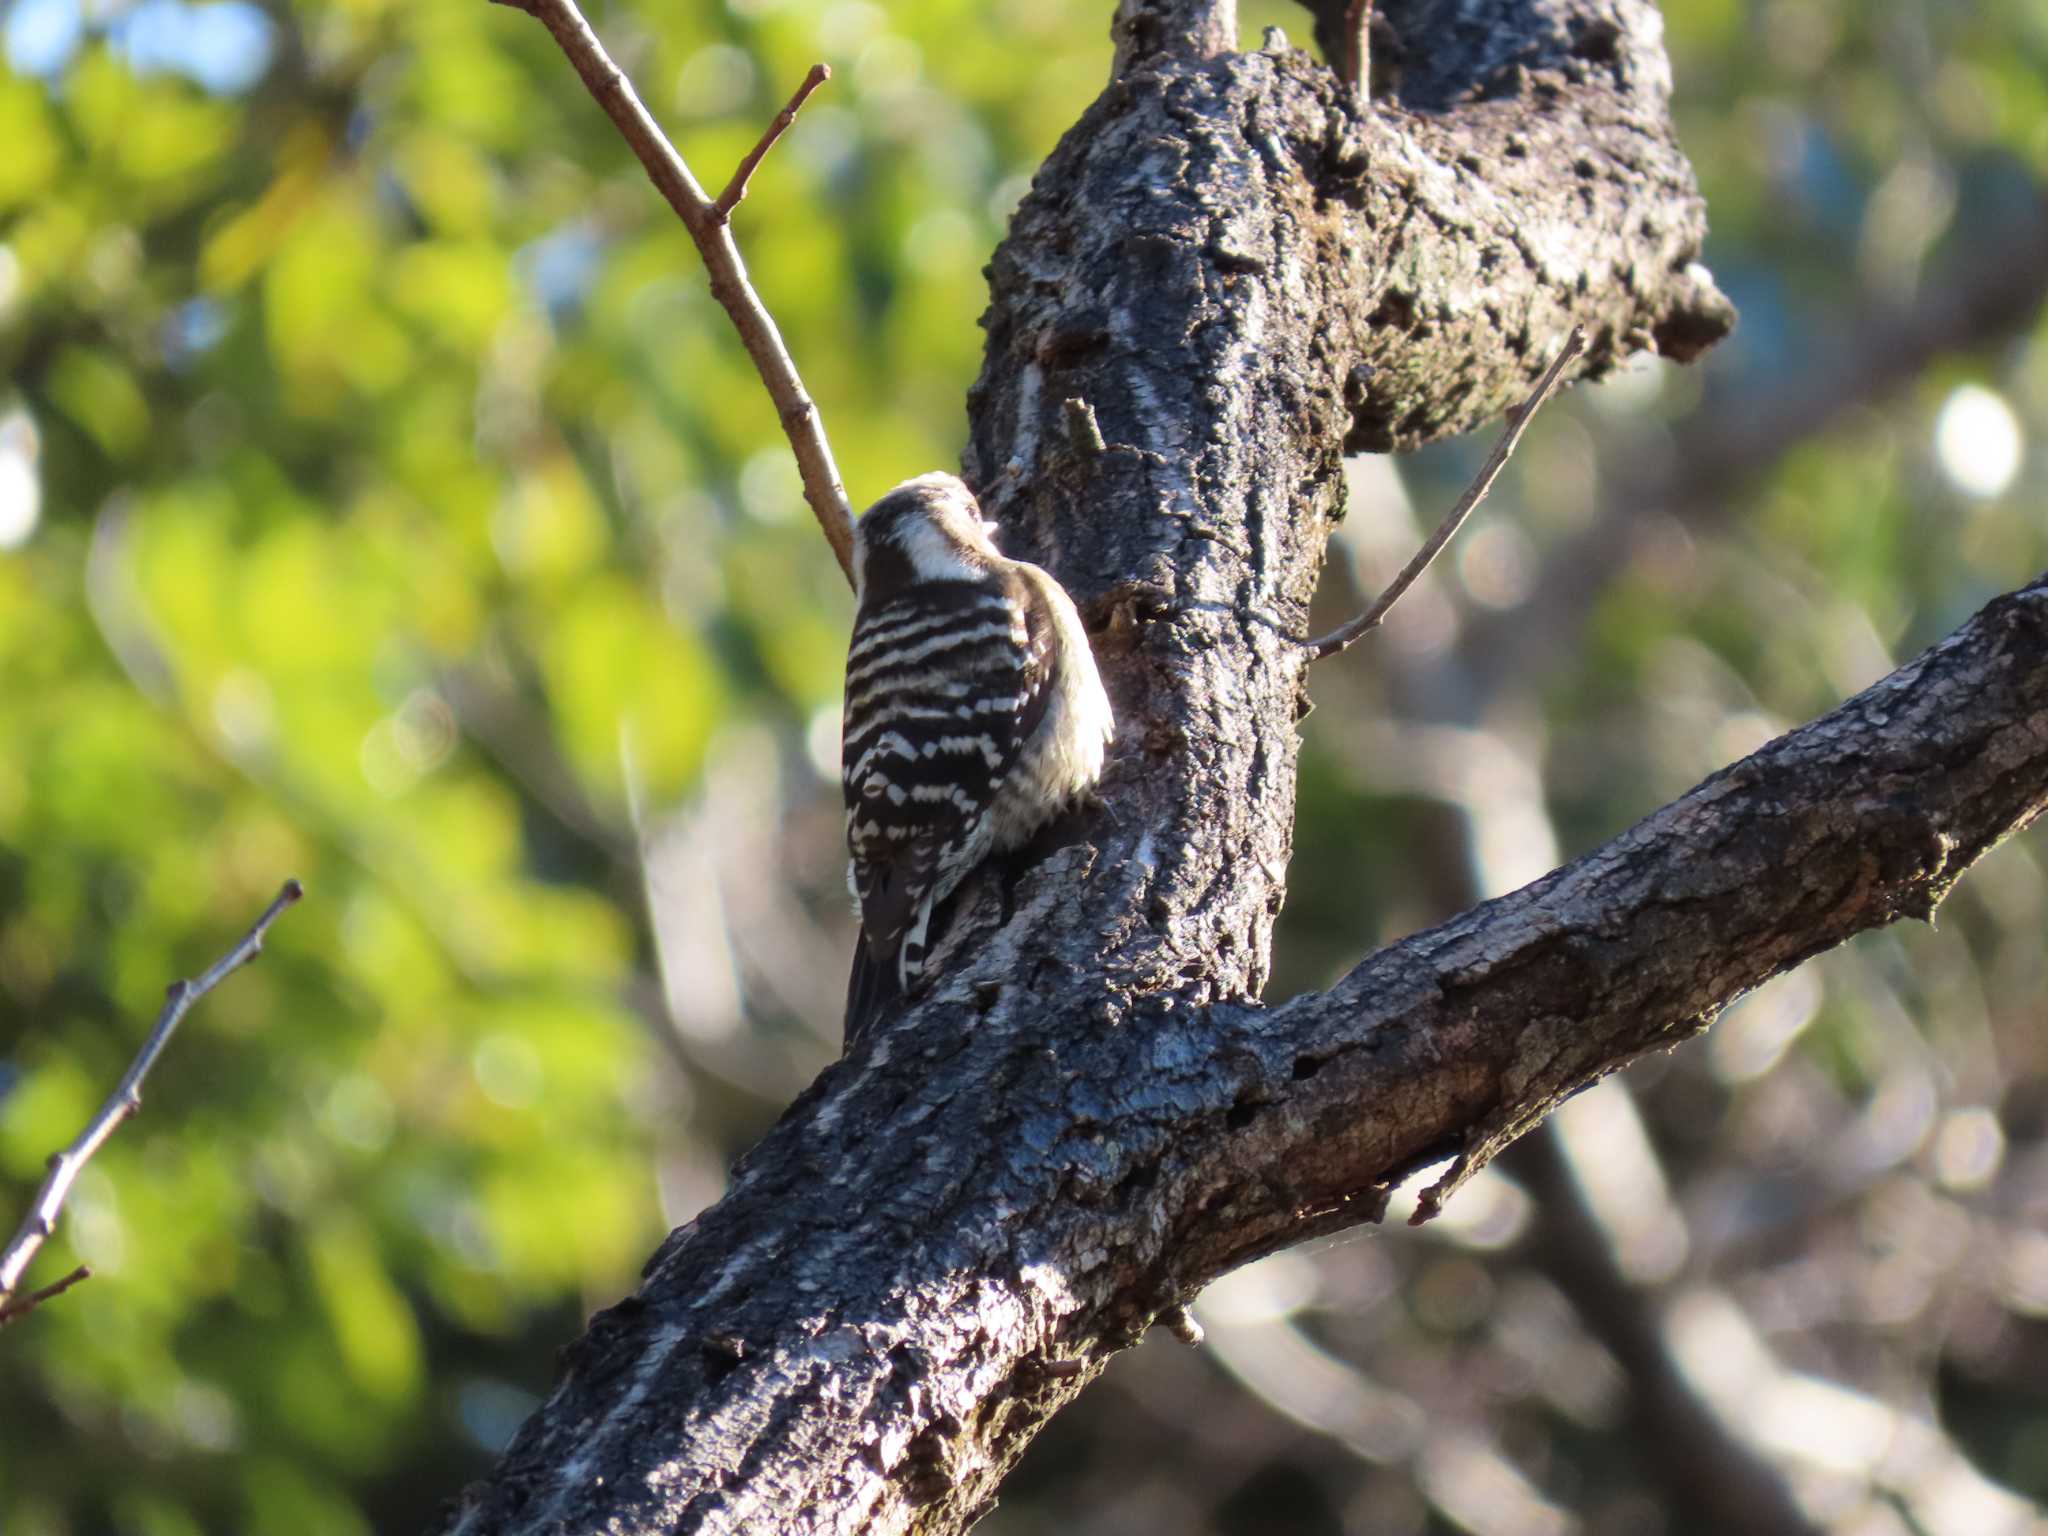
(65, 1166)
(21, 1306)
(736, 189)
(1518, 420)
(1358, 46)
(708, 227)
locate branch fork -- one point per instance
(125, 1101)
(709, 221)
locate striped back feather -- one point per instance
(945, 682)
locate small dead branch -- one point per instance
(126, 1100)
(21, 1306)
(1357, 67)
(1518, 420)
(1084, 432)
(736, 189)
(709, 225)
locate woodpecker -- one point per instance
(974, 715)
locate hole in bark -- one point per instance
(1241, 1114)
(1397, 309)
(721, 1352)
(1065, 348)
(1371, 431)
(1583, 169)
(1306, 1067)
(1596, 41)
(1140, 1178)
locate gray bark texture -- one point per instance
(1244, 274)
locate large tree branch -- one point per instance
(1236, 272)
(1416, 270)
(1465, 1036)
(959, 1223)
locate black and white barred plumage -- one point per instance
(974, 715)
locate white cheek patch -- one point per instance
(933, 555)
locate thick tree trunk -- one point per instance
(1241, 273)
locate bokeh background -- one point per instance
(383, 501)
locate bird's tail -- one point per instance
(871, 991)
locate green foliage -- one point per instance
(411, 522)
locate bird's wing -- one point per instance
(944, 686)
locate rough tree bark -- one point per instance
(1244, 273)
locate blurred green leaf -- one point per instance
(372, 1323)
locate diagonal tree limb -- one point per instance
(709, 226)
(125, 1101)
(1865, 816)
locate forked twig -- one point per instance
(21, 1306)
(65, 1166)
(711, 229)
(736, 189)
(1518, 420)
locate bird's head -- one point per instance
(926, 529)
